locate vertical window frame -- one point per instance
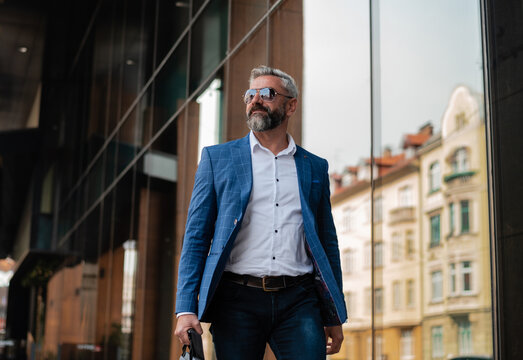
(438, 349)
(435, 230)
(465, 216)
(434, 177)
(466, 277)
(436, 280)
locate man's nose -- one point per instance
(257, 98)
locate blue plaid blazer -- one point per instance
(220, 196)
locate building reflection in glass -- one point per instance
(431, 247)
(130, 264)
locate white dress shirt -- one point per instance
(271, 240)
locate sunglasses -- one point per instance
(266, 94)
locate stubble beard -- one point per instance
(262, 122)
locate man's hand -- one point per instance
(184, 323)
(335, 334)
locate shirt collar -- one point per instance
(290, 150)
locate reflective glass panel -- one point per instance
(430, 138)
(173, 18)
(170, 86)
(335, 105)
(208, 42)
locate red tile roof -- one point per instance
(415, 140)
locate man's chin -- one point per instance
(257, 128)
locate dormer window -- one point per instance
(461, 120)
(460, 161)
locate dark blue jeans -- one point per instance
(246, 318)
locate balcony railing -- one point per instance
(464, 176)
(402, 214)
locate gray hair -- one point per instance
(287, 81)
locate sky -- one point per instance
(426, 49)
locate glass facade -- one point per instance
(390, 95)
(408, 141)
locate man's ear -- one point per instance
(291, 106)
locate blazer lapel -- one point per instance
(241, 157)
(303, 168)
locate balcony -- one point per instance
(461, 177)
(402, 214)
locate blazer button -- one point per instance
(235, 222)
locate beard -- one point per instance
(262, 122)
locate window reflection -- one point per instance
(428, 251)
(130, 265)
(209, 115)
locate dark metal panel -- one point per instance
(503, 30)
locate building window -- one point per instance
(406, 345)
(410, 293)
(367, 256)
(405, 196)
(437, 342)
(465, 218)
(368, 301)
(396, 247)
(461, 120)
(453, 279)
(435, 230)
(366, 212)
(378, 300)
(347, 220)
(396, 294)
(460, 161)
(210, 110)
(434, 177)
(437, 286)
(349, 302)
(378, 209)
(464, 338)
(379, 348)
(451, 218)
(466, 277)
(348, 261)
(378, 254)
(409, 243)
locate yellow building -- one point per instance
(393, 274)
(454, 225)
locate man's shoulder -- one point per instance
(227, 145)
(313, 157)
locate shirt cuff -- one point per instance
(184, 313)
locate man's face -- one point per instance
(262, 115)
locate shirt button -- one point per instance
(235, 221)
(275, 231)
(277, 179)
(275, 158)
(277, 204)
(273, 258)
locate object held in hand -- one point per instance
(195, 348)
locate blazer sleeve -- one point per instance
(326, 228)
(199, 231)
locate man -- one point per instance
(260, 258)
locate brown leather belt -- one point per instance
(267, 283)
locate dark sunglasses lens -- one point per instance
(267, 94)
(249, 95)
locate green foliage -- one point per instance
(41, 273)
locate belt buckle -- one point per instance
(265, 288)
